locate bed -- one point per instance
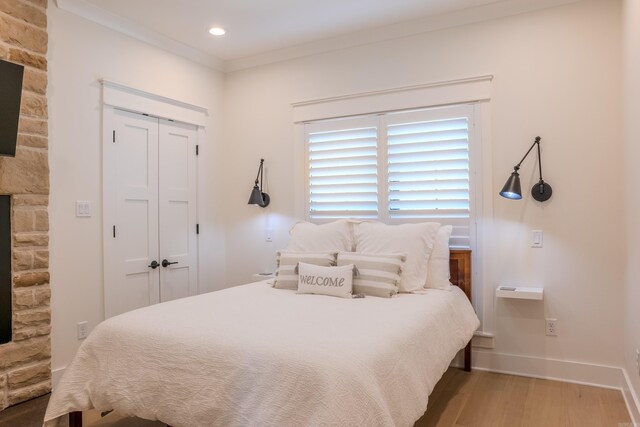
(255, 355)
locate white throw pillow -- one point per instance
(416, 240)
(334, 236)
(287, 261)
(333, 281)
(376, 274)
(438, 273)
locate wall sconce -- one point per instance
(257, 196)
(540, 191)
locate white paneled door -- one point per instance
(178, 246)
(149, 211)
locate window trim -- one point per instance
(475, 91)
(452, 92)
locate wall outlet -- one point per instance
(83, 329)
(552, 327)
(268, 235)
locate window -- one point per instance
(395, 167)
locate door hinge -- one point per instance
(197, 228)
(197, 150)
(114, 231)
(114, 136)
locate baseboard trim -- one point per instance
(561, 370)
(56, 374)
(551, 369)
(631, 399)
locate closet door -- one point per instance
(131, 212)
(177, 212)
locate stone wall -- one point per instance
(25, 363)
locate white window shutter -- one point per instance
(342, 168)
(414, 165)
(428, 168)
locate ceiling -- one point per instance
(255, 27)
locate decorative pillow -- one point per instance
(438, 274)
(416, 240)
(333, 281)
(334, 236)
(377, 274)
(286, 262)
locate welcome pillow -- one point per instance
(287, 261)
(332, 281)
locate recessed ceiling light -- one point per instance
(218, 31)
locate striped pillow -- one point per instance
(378, 274)
(287, 261)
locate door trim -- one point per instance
(116, 96)
(138, 101)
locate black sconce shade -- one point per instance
(511, 189)
(257, 196)
(540, 191)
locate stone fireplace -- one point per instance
(25, 361)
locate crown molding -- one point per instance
(125, 26)
(500, 9)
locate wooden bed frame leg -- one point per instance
(467, 357)
(75, 419)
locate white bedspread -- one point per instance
(257, 356)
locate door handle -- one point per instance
(154, 264)
(166, 263)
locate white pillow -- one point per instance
(416, 240)
(438, 272)
(377, 274)
(333, 281)
(287, 261)
(334, 236)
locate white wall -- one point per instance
(631, 69)
(556, 75)
(80, 52)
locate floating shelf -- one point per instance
(519, 292)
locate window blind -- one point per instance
(343, 168)
(428, 169)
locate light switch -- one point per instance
(83, 208)
(268, 237)
(536, 238)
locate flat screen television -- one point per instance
(10, 95)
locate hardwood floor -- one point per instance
(481, 399)
(460, 399)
